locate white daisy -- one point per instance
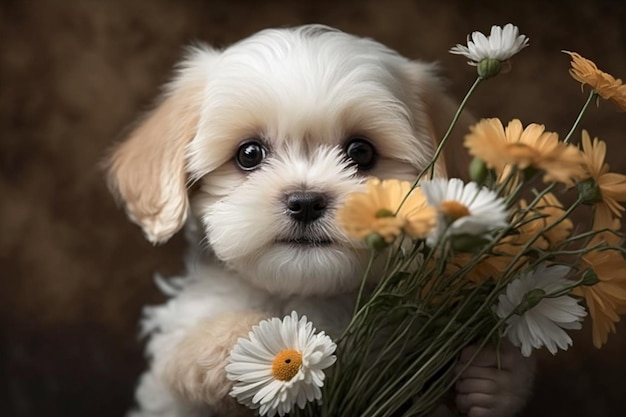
(279, 365)
(501, 44)
(538, 319)
(464, 209)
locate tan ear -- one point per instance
(147, 172)
(440, 108)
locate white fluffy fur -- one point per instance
(302, 92)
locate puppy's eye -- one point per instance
(361, 152)
(250, 155)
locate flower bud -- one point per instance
(376, 241)
(478, 171)
(589, 191)
(397, 278)
(468, 243)
(399, 313)
(590, 278)
(531, 299)
(529, 173)
(488, 68)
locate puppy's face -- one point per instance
(276, 131)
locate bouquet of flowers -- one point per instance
(479, 262)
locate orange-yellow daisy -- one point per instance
(545, 214)
(586, 72)
(523, 148)
(606, 299)
(375, 211)
(609, 187)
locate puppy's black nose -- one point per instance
(306, 207)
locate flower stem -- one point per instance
(433, 162)
(363, 281)
(546, 229)
(592, 94)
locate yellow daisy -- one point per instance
(606, 299)
(374, 211)
(530, 147)
(586, 72)
(611, 187)
(546, 212)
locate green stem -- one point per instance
(433, 162)
(445, 138)
(363, 282)
(532, 240)
(592, 94)
(391, 392)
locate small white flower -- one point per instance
(544, 318)
(501, 44)
(463, 208)
(279, 365)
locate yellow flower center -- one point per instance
(286, 364)
(454, 210)
(522, 154)
(382, 213)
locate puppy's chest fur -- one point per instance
(208, 291)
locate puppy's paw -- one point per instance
(484, 390)
(196, 370)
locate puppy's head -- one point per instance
(276, 131)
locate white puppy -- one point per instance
(274, 132)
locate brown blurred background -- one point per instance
(73, 74)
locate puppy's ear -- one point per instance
(439, 108)
(147, 172)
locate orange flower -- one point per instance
(611, 187)
(546, 213)
(374, 211)
(524, 148)
(586, 72)
(606, 299)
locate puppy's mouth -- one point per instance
(305, 242)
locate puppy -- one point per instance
(274, 132)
